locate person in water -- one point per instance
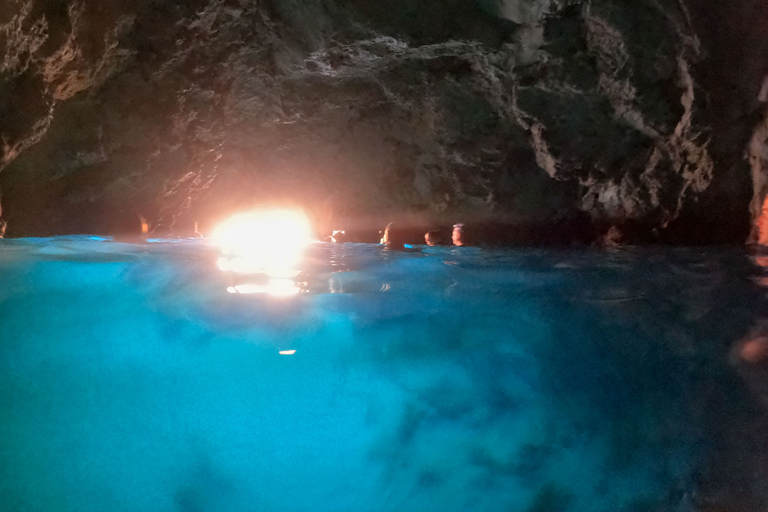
(432, 238)
(458, 234)
(338, 236)
(393, 237)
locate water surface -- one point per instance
(135, 377)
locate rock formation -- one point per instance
(49, 52)
(562, 118)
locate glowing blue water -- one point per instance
(446, 380)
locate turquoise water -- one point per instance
(132, 378)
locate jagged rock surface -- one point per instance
(572, 113)
(49, 51)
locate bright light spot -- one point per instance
(255, 265)
(287, 352)
(278, 287)
(282, 287)
(250, 232)
(269, 241)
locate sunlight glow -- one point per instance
(278, 287)
(268, 241)
(265, 248)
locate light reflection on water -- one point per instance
(449, 379)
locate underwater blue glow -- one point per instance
(451, 379)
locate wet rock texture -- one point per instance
(562, 118)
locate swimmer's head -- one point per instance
(458, 234)
(393, 237)
(432, 238)
(338, 236)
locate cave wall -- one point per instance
(49, 52)
(584, 114)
